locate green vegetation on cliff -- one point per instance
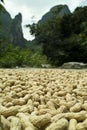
(60, 36)
(13, 47)
(64, 37)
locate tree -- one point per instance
(64, 39)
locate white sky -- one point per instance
(33, 10)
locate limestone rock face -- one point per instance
(60, 10)
(5, 18)
(16, 33)
(11, 29)
(5, 22)
(56, 11)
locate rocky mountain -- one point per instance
(56, 11)
(5, 18)
(5, 22)
(16, 34)
(11, 29)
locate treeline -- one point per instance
(12, 56)
(64, 39)
(57, 40)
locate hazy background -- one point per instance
(32, 10)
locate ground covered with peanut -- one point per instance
(43, 99)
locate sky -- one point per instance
(33, 10)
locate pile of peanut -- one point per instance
(43, 99)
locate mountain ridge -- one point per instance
(56, 11)
(12, 27)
